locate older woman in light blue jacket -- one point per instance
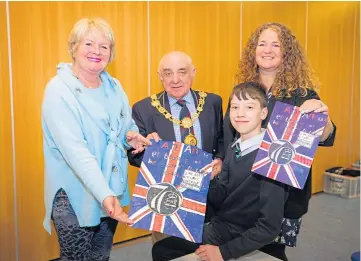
(88, 127)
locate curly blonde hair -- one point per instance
(294, 72)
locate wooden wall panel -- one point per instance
(330, 51)
(207, 31)
(354, 140)
(291, 14)
(7, 228)
(40, 32)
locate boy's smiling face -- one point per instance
(246, 116)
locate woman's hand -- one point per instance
(153, 136)
(137, 141)
(112, 206)
(314, 105)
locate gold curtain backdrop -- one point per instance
(212, 33)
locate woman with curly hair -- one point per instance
(274, 58)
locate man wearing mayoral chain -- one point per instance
(182, 114)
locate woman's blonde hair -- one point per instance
(294, 72)
(83, 26)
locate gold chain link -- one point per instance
(186, 122)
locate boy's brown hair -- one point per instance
(253, 90)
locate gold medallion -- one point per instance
(190, 139)
(187, 122)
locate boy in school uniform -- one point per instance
(249, 207)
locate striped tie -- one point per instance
(184, 113)
(238, 151)
(269, 95)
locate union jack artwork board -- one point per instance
(289, 145)
(171, 190)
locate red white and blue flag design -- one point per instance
(171, 190)
(289, 145)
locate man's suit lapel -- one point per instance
(163, 126)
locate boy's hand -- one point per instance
(216, 167)
(209, 253)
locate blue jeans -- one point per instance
(80, 243)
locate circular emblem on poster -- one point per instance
(164, 199)
(281, 152)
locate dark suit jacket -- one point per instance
(149, 120)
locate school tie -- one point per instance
(238, 151)
(184, 113)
